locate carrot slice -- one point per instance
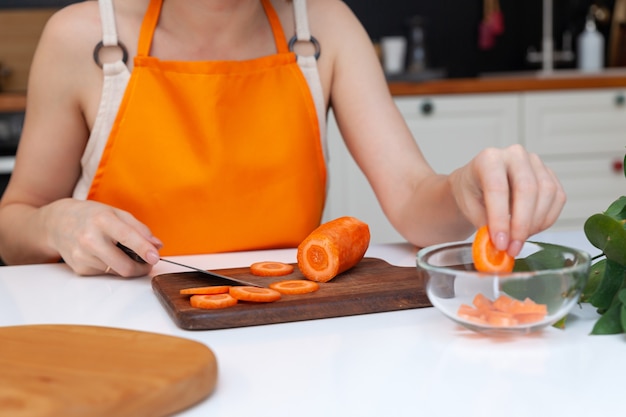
(295, 286)
(485, 255)
(481, 301)
(256, 294)
(332, 248)
(212, 301)
(503, 311)
(215, 289)
(271, 269)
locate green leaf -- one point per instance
(608, 235)
(549, 257)
(561, 323)
(595, 277)
(611, 321)
(617, 209)
(611, 282)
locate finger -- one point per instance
(493, 177)
(551, 196)
(140, 227)
(136, 237)
(524, 197)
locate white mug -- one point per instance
(393, 49)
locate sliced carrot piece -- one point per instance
(470, 313)
(503, 311)
(212, 301)
(215, 289)
(505, 303)
(500, 318)
(295, 286)
(529, 317)
(271, 269)
(256, 294)
(485, 255)
(332, 248)
(529, 307)
(481, 301)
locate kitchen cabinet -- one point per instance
(580, 134)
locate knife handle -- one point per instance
(131, 253)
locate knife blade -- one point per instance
(221, 278)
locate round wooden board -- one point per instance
(73, 370)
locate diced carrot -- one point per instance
(529, 318)
(295, 286)
(503, 312)
(215, 289)
(485, 255)
(504, 303)
(271, 269)
(481, 301)
(526, 307)
(256, 294)
(501, 319)
(212, 301)
(470, 313)
(332, 248)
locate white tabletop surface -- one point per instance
(407, 363)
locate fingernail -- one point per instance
(156, 241)
(515, 247)
(152, 257)
(501, 242)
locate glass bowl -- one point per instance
(545, 284)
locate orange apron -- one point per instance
(216, 156)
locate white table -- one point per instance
(407, 363)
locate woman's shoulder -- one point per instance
(73, 25)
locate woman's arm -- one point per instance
(509, 189)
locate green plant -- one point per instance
(606, 287)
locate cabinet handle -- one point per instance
(620, 100)
(427, 108)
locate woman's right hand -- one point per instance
(85, 234)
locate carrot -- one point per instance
(271, 269)
(485, 255)
(295, 286)
(215, 289)
(332, 248)
(249, 293)
(504, 311)
(482, 302)
(212, 301)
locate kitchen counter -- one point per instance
(489, 83)
(12, 102)
(513, 82)
(404, 363)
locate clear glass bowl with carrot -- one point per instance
(483, 290)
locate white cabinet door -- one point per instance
(450, 131)
(581, 135)
(563, 124)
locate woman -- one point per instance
(212, 138)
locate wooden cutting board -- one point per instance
(372, 286)
(90, 371)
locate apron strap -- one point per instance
(148, 26)
(277, 29)
(109, 30)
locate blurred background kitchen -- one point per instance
(550, 74)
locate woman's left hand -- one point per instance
(510, 190)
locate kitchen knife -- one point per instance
(217, 277)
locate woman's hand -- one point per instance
(511, 191)
(85, 234)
